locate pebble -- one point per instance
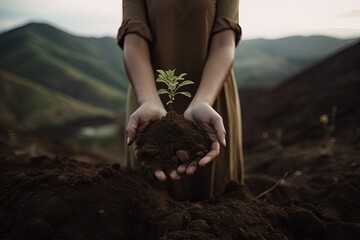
(182, 155)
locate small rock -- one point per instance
(182, 155)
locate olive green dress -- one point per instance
(179, 33)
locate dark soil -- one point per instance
(61, 198)
(44, 198)
(168, 142)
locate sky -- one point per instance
(259, 18)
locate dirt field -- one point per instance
(313, 176)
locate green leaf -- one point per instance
(163, 91)
(161, 72)
(186, 82)
(184, 93)
(181, 76)
(172, 85)
(170, 73)
(162, 80)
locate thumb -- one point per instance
(131, 128)
(220, 130)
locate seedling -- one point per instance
(274, 142)
(328, 123)
(173, 84)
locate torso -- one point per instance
(181, 31)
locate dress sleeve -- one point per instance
(227, 17)
(134, 21)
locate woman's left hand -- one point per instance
(204, 116)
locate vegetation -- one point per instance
(328, 124)
(87, 69)
(173, 84)
(31, 106)
(266, 63)
(276, 141)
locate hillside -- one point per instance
(90, 70)
(267, 63)
(296, 105)
(30, 106)
(87, 69)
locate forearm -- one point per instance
(217, 67)
(138, 66)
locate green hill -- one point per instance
(91, 69)
(30, 106)
(88, 69)
(266, 63)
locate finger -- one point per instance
(181, 169)
(160, 175)
(174, 175)
(214, 152)
(131, 129)
(191, 168)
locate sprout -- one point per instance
(324, 119)
(173, 84)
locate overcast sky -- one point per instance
(258, 18)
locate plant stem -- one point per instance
(273, 187)
(171, 110)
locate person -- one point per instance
(197, 37)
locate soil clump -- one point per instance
(169, 142)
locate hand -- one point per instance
(204, 116)
(146, 112)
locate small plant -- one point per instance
(329, 130)
(274, 142)
(173, 84)
(329, 124)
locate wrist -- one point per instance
(153, 99)
(200, 101)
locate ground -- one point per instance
(301, 184)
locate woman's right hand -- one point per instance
(146, 112)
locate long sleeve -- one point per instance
(227, 17)
(135, 20)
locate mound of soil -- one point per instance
(45, 198)
(169, 142)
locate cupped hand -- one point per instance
(140, 118)
(146, 112)
(204, 116)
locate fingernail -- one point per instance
(128, 140)
(224, 142)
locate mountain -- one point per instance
(330, 87)
(31, 106)
(87, 69)
(267, 63)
